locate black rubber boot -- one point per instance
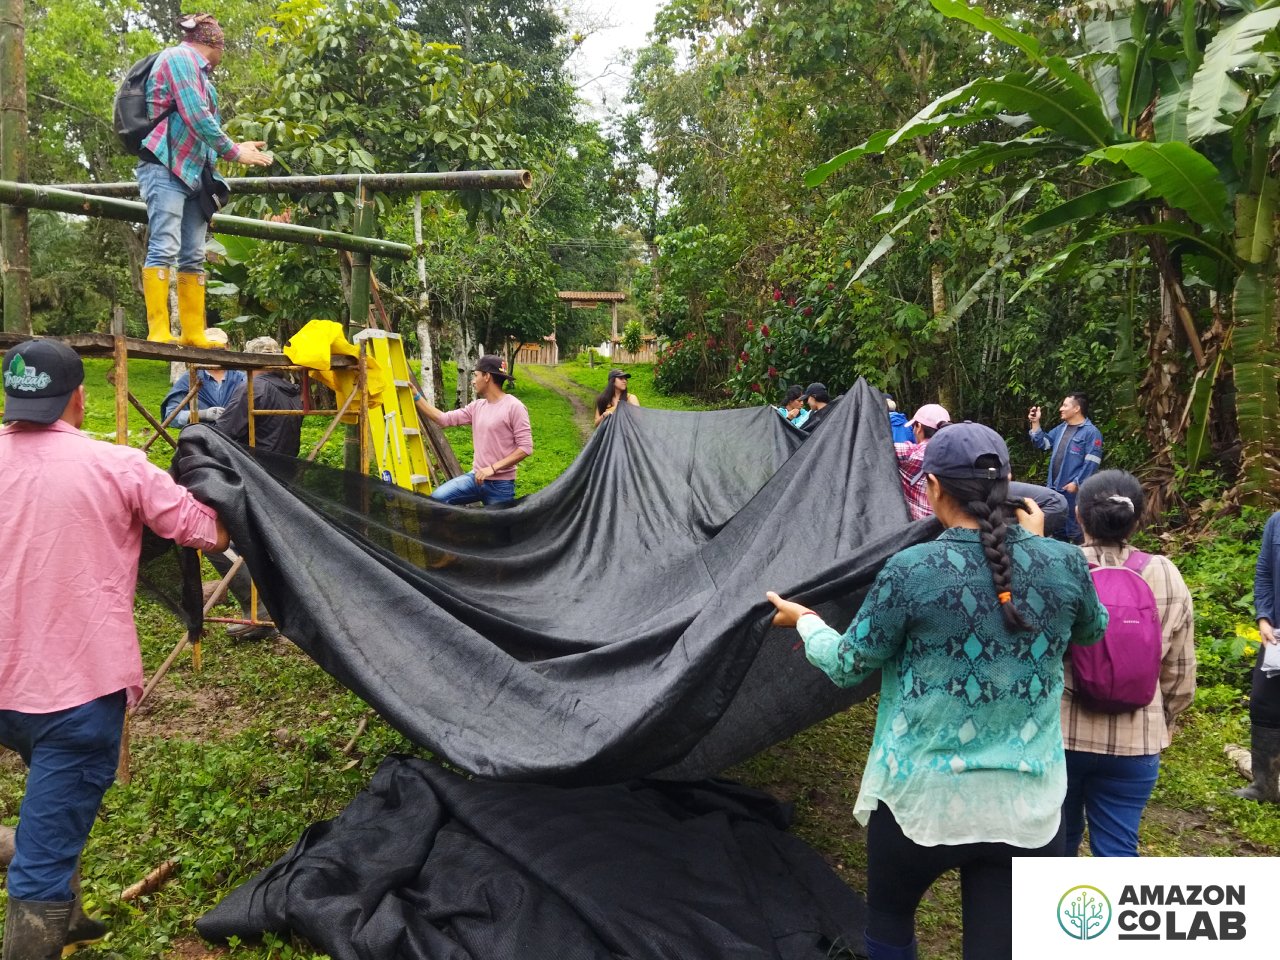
(36, 929)
(1266, 766)
(82, 929)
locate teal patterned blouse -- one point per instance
(968, 745)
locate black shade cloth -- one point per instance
(426, 865)
(611, 626)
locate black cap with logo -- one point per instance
(39, 378)
(494, 365)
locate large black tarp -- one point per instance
(427, 865)
(612, 625)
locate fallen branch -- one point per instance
(360, 728)
(152, 882)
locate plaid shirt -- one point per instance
(192, 137)
(1148, 730)
(911, 473)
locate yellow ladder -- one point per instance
(393, 419)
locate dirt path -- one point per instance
(580, 398)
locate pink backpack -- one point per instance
(1119, 673)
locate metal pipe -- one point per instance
(69, 201)
(342, 183)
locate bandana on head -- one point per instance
(202, 28)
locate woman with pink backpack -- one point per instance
(1121, 696)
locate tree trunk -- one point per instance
(426, 346)
(15, 256)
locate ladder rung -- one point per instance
(411, 431)
(418, 478)
(402, 383)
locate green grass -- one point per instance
(641, 384)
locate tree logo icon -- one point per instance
(1084, 913)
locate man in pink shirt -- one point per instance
(501, 437)
(69, 657)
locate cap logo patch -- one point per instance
(20, 377)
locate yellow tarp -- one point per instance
(314, 347)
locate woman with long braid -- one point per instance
(969, 631)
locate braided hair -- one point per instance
(987, 501)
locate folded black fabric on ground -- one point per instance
(426, 865)
(611, 626)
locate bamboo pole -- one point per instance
(15, 256)
(365, 219)
(69, 201)
(342, 183)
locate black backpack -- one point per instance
(129, 115)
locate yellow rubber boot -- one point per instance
(191, 310)
(155, 292)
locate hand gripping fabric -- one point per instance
(1119, 673)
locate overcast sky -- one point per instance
(602, 51)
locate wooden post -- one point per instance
(15, 257)
(613, 319)
(121, 354)
(355, 455)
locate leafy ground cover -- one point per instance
(230, 764)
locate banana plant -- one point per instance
(1170, 106)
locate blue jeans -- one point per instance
(176, 228)
(71, 757)
(1111, 793)
(464, 489)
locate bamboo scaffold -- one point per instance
(70, 201)
(341, 183)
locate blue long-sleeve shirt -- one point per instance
(212, 393)
(1266, 578)
(1079, 461)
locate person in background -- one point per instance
(272, 390)
(217, 387)
(1077, 453)
(614, 393)
(69, 656)
(928, 420)
(793, 409)
(179, 153)
(898, 422)
(969, 632)
(1264, 698)
(501, 437)
(818, 402)
(1113, 758)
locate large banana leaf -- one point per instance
(977, 17)
(1199, 413)
(1177, 232)
(982, 155)
(1255, 370)
(1181, 176)
(934, 116)
(1174, 83)
(1058, 100)
(1215, 92)
(1090, 204)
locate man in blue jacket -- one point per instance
(1076, 446)
(1264, 698)
(217, 387)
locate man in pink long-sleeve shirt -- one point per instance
(501, 437)
(69, 657)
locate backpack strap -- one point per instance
(1137, 561)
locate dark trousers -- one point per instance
(1264, 697)
(71, 757)
(899, 871)
(241, 586)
